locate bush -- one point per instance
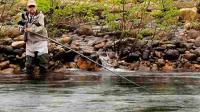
(147, 32)
(44, 5)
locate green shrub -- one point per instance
(147, 32)
(44, 5)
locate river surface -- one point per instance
(174, 93)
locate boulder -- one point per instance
(189, 56)
(8, 31)
(132, 57)
(160, 62)
(85, 30)
(181, 50)
(2, 58)
(85, 64)
(158, 54)
(171, 54)
(100, 45)
(145, 54)
(6, 41)
(19, 38)
(170, 46)
(198, 59)
(197, 51)
(191, 40)
(188, 45)
(7, 71)
(65, 39)
(197, 42)
(18, 44)
(4, 65)
(16, 68)
(193, 34)
(6, 49)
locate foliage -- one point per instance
(46, 5)
(75, 13)
(118, 15)
(147, 32)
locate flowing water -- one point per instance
(169, 93)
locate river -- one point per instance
(173, 93)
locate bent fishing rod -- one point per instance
(67, 47)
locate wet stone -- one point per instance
(132, 57)
(145, 54)
(4, 64)
(171, 54)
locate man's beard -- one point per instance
(32, 12)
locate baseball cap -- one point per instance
(31, 2)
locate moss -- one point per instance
(157, 13)
(147, 32)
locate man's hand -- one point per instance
(27, 30)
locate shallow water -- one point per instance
(105, 96)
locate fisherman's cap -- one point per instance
(31, 2)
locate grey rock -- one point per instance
(171, 54)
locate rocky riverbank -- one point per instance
(181, 53)
(177, 51)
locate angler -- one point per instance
(36, 46)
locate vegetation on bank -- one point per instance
(125, 16)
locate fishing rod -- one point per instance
(67, 47)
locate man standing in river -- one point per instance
(36, 46)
